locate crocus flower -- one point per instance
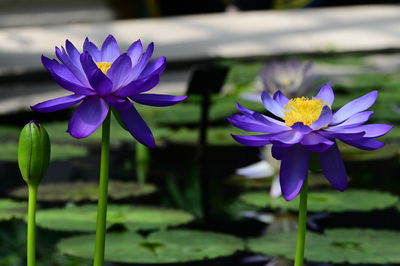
(104, 78)
(309, 125)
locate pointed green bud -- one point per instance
(33, 153)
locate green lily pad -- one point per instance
(215, 136)
(83, 218)
(175, 246)
(79, 191)
(10, 209)
(331, 201)
(353, 154)
(9, 152)
(335, 246)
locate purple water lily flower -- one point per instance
(104, 78)
(309, 125)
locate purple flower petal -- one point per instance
(300, 127)
(135, 51)
(158, 100)
(355, 120)
(342, 135)
(92, 49)
(156, 67)
(333, 167)
(271, 105)
(324, 118)
(326, 94)
(354, 107)
(73, 53)
(278, 125)
(117, 102)
(294, 168)
(371, 130)
(259, 121)
(137, 126)
(100, 82)
(88, 117)
(281, 99)
(365, 144)
(289, 138)
(119, 71)
(74, 67)
(109, 50)
(316, 143)
(138, 86)
(375, 130)
(143, 61)
(277, 152)
(248, 124)
(64, 77)
(244, 110)
(254, 140)
(58, 103)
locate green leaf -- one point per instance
(335, 246)
(175, 246)
(83, 218)
(80, 191)
(10, 209)
(331, 201)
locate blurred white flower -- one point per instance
(267, 167)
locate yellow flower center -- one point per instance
(302, 109)
(104, 66)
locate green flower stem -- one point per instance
(301, 228)
(103, 191)
(31, 237)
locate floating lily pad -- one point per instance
(57, 132)
(9, 152)
(335, 246)
(331, 201)
(79, 191)
(353, 154)
(83, 218)
(175, 246)
(218, 136)
(315, 179)
(10, 209)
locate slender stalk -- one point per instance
(103, 194)
(31, 237)
(301, 228)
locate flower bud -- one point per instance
(33, 152)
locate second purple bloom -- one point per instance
(309, 125)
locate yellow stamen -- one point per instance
(302, 109)
(104, 66)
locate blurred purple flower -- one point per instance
(309, 125)
(292, 77)
(100, 78)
